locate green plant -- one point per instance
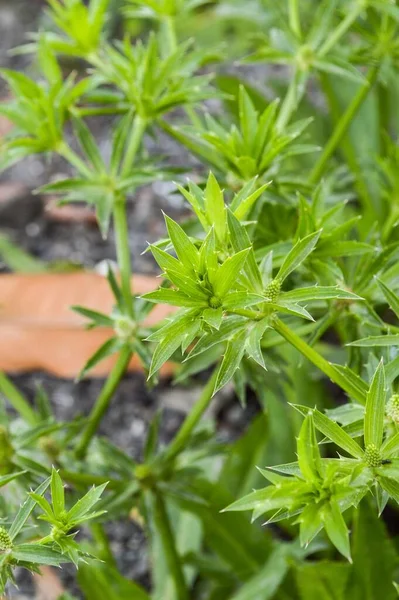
(285, 277)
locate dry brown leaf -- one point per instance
(47, 584)
(5, 126)
(11, 190)
(68, 213)
(39, 331)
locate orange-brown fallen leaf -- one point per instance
(5, 126)
(68, 213)
(11, 190)
(39, 331)
(47, 584)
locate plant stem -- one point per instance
(136, 135)
(16, 399)
(247, 312)
(348, 149)
(87, 479)
(311, 354)
(278, 341)
(183, 435)
(162, 523)
(169, 34)
(102, 110)
(384, 114)
(194, 118)
(176, 134)
(291, 100)
(343, 125)
(294, 17)
(103, 544)
(103, 401)
(307, 351)
(123, 252)
(74, 159)
(339, 31)
(46, 540)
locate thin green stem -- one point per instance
(348, 149)
(343, 125)
(384, 114)
(310, 353)
(164, 528)
(194, 118)
(389, 223)
(46, 540)
(85, 479)
(192, 419)
(246, 312)
(294, 17)
(66, 152)
(319, 361)
(291, 100)
(16, 399)
(103, 401)
(274, 341)
(133, 145)
(169, 34)
(124, 262)
(323, 325)
(101, 110)
(103, 544)
(339, 31)
(176, 134)
(123, 253)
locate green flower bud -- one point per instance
(373, 456)
(305, 57)
(49, 446)
(272, 290)
(392, 409)
(124, 327)
(58, 533)
(144, 475)
(215, 302)
(5, 540)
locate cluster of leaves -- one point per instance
(55, 548)
(320, 490)
(286, 271)
(256, 146)
(39, 110)
(80, 28)
(218, 282)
